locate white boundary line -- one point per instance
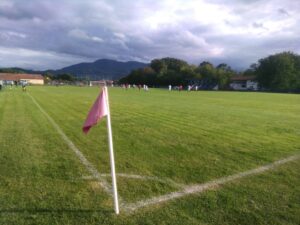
(89, 166)
(140, 177)
(198, 188)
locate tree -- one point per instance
(279, 72)
(163, 71)
(207, 70)
(250, 71)
(158, 65)
(205, 63)
(64, 77)
(224, 73)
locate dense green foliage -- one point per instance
(189, 137)
(12, 70)
(250, 71)
(165, 71)
(63, 77)
(279, 72)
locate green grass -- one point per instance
(187, 137)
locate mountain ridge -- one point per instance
(102, 68)
(99, 69)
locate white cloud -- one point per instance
(8, 35)
(80, 34)
(120, 36)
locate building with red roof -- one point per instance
(22, 77)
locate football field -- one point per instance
(181, 157)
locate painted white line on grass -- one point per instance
(89, 166)
(198, 188)
(139, 177)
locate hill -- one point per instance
(17, 70)
(102, 68)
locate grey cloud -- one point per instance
(257, 25)
(29, 10)
(283, 11)
(141, 30)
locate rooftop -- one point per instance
(243, 78)
(20, 76)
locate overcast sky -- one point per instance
(52, 34)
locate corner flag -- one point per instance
(97, 112)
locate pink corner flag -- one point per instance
(98, 111)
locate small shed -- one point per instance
(243, 83)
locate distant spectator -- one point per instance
(24, 86)
(180, 88)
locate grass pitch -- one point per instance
(186, 137)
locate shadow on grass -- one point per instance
(41, 210)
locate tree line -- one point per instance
(166, 71)
(278, 72)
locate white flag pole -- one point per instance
(111, 154)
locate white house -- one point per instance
(244, 83)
